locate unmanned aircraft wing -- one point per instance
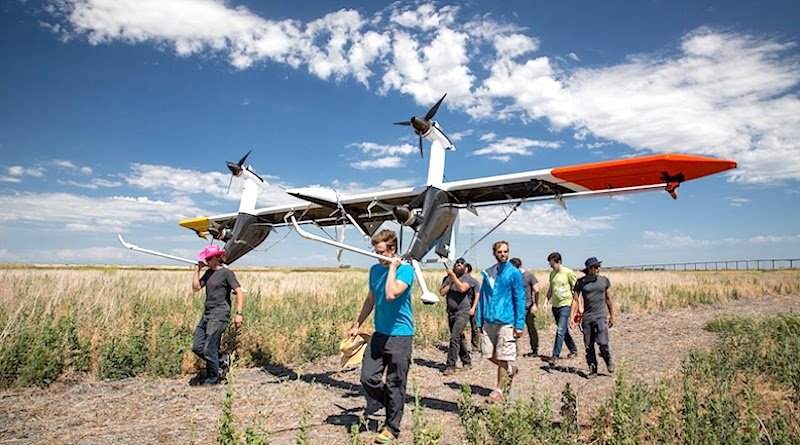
(656, 172)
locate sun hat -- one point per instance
(591, 261)
(209, 252)
(352, 350)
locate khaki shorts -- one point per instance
(498, 342)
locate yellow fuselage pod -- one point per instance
(200, 225)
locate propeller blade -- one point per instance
(227, 192)
(434, 109)
(403, 123)
(241, 161)
(420, 147)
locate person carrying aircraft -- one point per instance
(219, 281)
(531, 286)
(389, 349)
(562, 280)
(597, 316)
(501, 317)
(459, 289)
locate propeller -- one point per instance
(236, 169)
(422, 125)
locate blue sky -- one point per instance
(117, 117)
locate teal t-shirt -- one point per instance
(392, 317)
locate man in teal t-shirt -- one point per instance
(389, 349)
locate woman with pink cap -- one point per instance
(219, 282)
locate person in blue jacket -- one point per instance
(500, 316)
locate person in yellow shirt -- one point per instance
(562, 281)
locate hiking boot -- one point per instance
(572, 355)
(450, 370)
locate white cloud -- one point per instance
(737, 201)
(459, 135)
(501, 150)
(723, 94)
(88, 214)
(10, 179)
(380, 150)
(71, 166)
(664, 240)
(383, 162)
(551, 220)
(18, 170)
(95, 183)
(167, 179)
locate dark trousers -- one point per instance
(206, 341)
(458, 342)
(393, 355)
(561, 314)
(595, 331)
(530, 322)
(475, 338)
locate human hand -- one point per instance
(518, 333)
(395, 262)
(532, 310)
(353, 332)
(471, 312)
(610, 321)
(238, 321)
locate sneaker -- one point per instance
(384, 437)
(572, 355)
(592, 375)
(466, 366)
(551, 360)
(449, 371)
(610, 366)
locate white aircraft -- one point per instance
(431, 210)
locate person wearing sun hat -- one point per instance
(219, 282)
(598, 314)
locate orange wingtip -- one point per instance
(646, 170)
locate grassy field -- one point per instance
(120, 322)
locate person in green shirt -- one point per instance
(562, 281)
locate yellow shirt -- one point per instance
(561, 284)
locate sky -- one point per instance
(118, 117)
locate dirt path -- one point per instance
(137, 411)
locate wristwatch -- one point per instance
(239, 313)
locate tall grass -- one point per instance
(743, 391)
(116, 323)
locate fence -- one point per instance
(761, 264)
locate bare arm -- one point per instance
(239, 306)
(574, 308)
(196, 283)
(366, 309)
(394, 287)
(610, 308)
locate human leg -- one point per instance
(455, 341)
(589, 338)
(459, 326)
(372, 366)
(533, 336)
(199, 338)
(602, 341)
(214, 330)
(398, 354)
(475, 338)
(561, 315)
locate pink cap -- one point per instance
(209, 252)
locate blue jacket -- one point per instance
(502, 299)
